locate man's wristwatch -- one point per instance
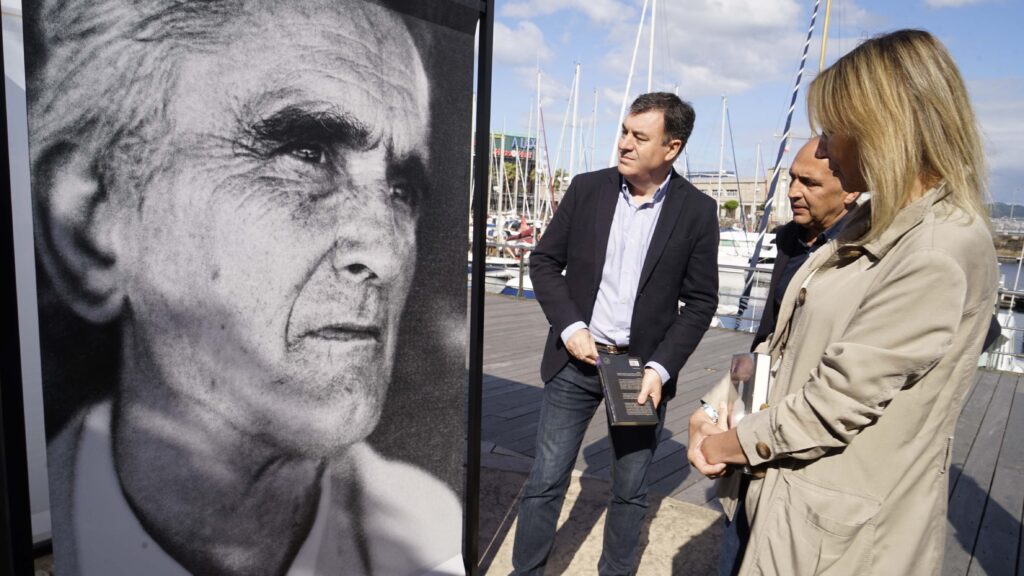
(709, 410)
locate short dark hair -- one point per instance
(679, 115)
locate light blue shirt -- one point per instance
(630, 235)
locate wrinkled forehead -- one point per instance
(354, 55)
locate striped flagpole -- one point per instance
(770, 198)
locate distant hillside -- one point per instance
(1002, 210)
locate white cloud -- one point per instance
(554, 96)
(1000, 112)
(712, 47)
(706, 47)
(612, 99)
(950, 3)
(523, 45)
(554, 89)
(596, 10)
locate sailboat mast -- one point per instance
(736, 173)
(565, 122)
(629, 82)
(524, 156)
(824, 35)
(650, 55)
(683, 155)
(472, 157)
(757, 166)
(536, 157)
(514, 196)
(575, 121)
(721, 158)
(593, 135)
(770, 197)
(499, 222)
(490, 171)
(581, 162)
(549, 199)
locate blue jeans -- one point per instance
(734, 540)
(570, 400)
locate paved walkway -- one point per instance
(986, 479)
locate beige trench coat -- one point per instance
(877, 346)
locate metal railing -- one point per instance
(732, 281)
(1007, 354)
(499, 274)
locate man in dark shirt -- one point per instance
(820, 206)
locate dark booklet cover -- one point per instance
(621, 376)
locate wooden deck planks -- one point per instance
(986, 476)
(514, 337)
(967, 504)
(970, 420)
(998, 539)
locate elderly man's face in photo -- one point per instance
(275, 247)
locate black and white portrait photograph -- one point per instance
(250, 233)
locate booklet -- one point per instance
(750, 373)
(621, 376)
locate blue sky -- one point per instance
(748, 51)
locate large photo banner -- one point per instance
(249, 229)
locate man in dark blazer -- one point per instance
(638, 246)
(820, 206)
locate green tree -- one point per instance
(510, 175)
(560, 174)
(730, 207)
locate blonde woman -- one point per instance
(878, 333)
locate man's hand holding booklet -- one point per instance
(743, 391)
(750, 376)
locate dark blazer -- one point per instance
(786, 238)
(681, 265)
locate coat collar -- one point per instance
(860, 220)
(906, 220)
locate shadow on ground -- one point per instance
(678, 538)
(982, 536)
